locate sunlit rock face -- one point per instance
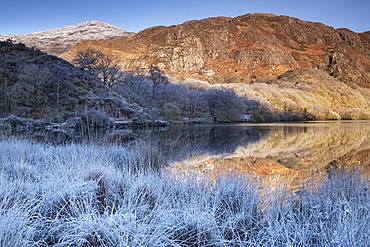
(244, 49)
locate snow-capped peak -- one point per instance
(59, 40)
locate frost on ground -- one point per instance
(112, 195)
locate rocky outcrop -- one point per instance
(245, 48)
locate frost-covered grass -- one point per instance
(111, 195)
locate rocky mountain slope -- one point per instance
(248, 48)
(59, 40)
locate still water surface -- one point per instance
(295, 145)
(306, 145)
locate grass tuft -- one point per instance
(90, 195)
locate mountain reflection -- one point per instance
(294, 145)
(297, 146)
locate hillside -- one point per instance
(59, 40)
(310, 93)
(248, 48)
(35, 85)
(275, 68)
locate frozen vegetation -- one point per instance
(114, 195)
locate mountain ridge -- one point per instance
(246, 48)
(296, 70)
(59, 40)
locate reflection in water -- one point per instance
(294, 145)
(283, 153)
(278, 153)
(297, 146)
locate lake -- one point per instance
(297, 146)
(279, 153)
(99, 190)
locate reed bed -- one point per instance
(115, 195)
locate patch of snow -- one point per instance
(59, 40)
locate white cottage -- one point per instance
(246, 117)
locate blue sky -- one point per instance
(25, 16)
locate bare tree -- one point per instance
(88, 59)
(29, 90)
(105, 66)
(60, 85)
(9, 76)
(157, 76)
(108, 69)
(223, 103)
